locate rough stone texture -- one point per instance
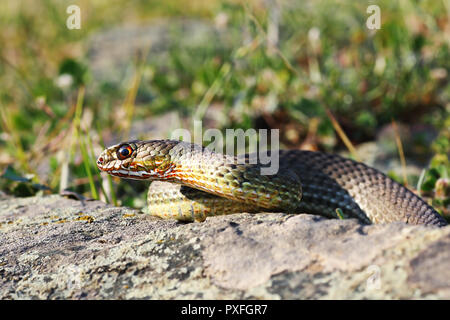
(53, 247)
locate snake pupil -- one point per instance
(124, 152)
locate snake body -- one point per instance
(196, 183)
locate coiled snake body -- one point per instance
(197, 183)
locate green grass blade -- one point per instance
(87, 166)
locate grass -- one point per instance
(327, 80)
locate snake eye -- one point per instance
(124, 152)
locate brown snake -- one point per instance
(204, 183)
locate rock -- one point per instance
(110, 60)
(56, 248)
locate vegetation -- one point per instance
(324, 69)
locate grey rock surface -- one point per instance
(56, 248)
(112, 52)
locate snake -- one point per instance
(190, 182)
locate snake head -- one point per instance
(138, 160)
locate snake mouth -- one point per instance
(119, 170)
(139, 175)
(129, 174)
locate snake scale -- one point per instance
(195, 182)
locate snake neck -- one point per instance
(229, 177)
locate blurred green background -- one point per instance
(139, 69)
